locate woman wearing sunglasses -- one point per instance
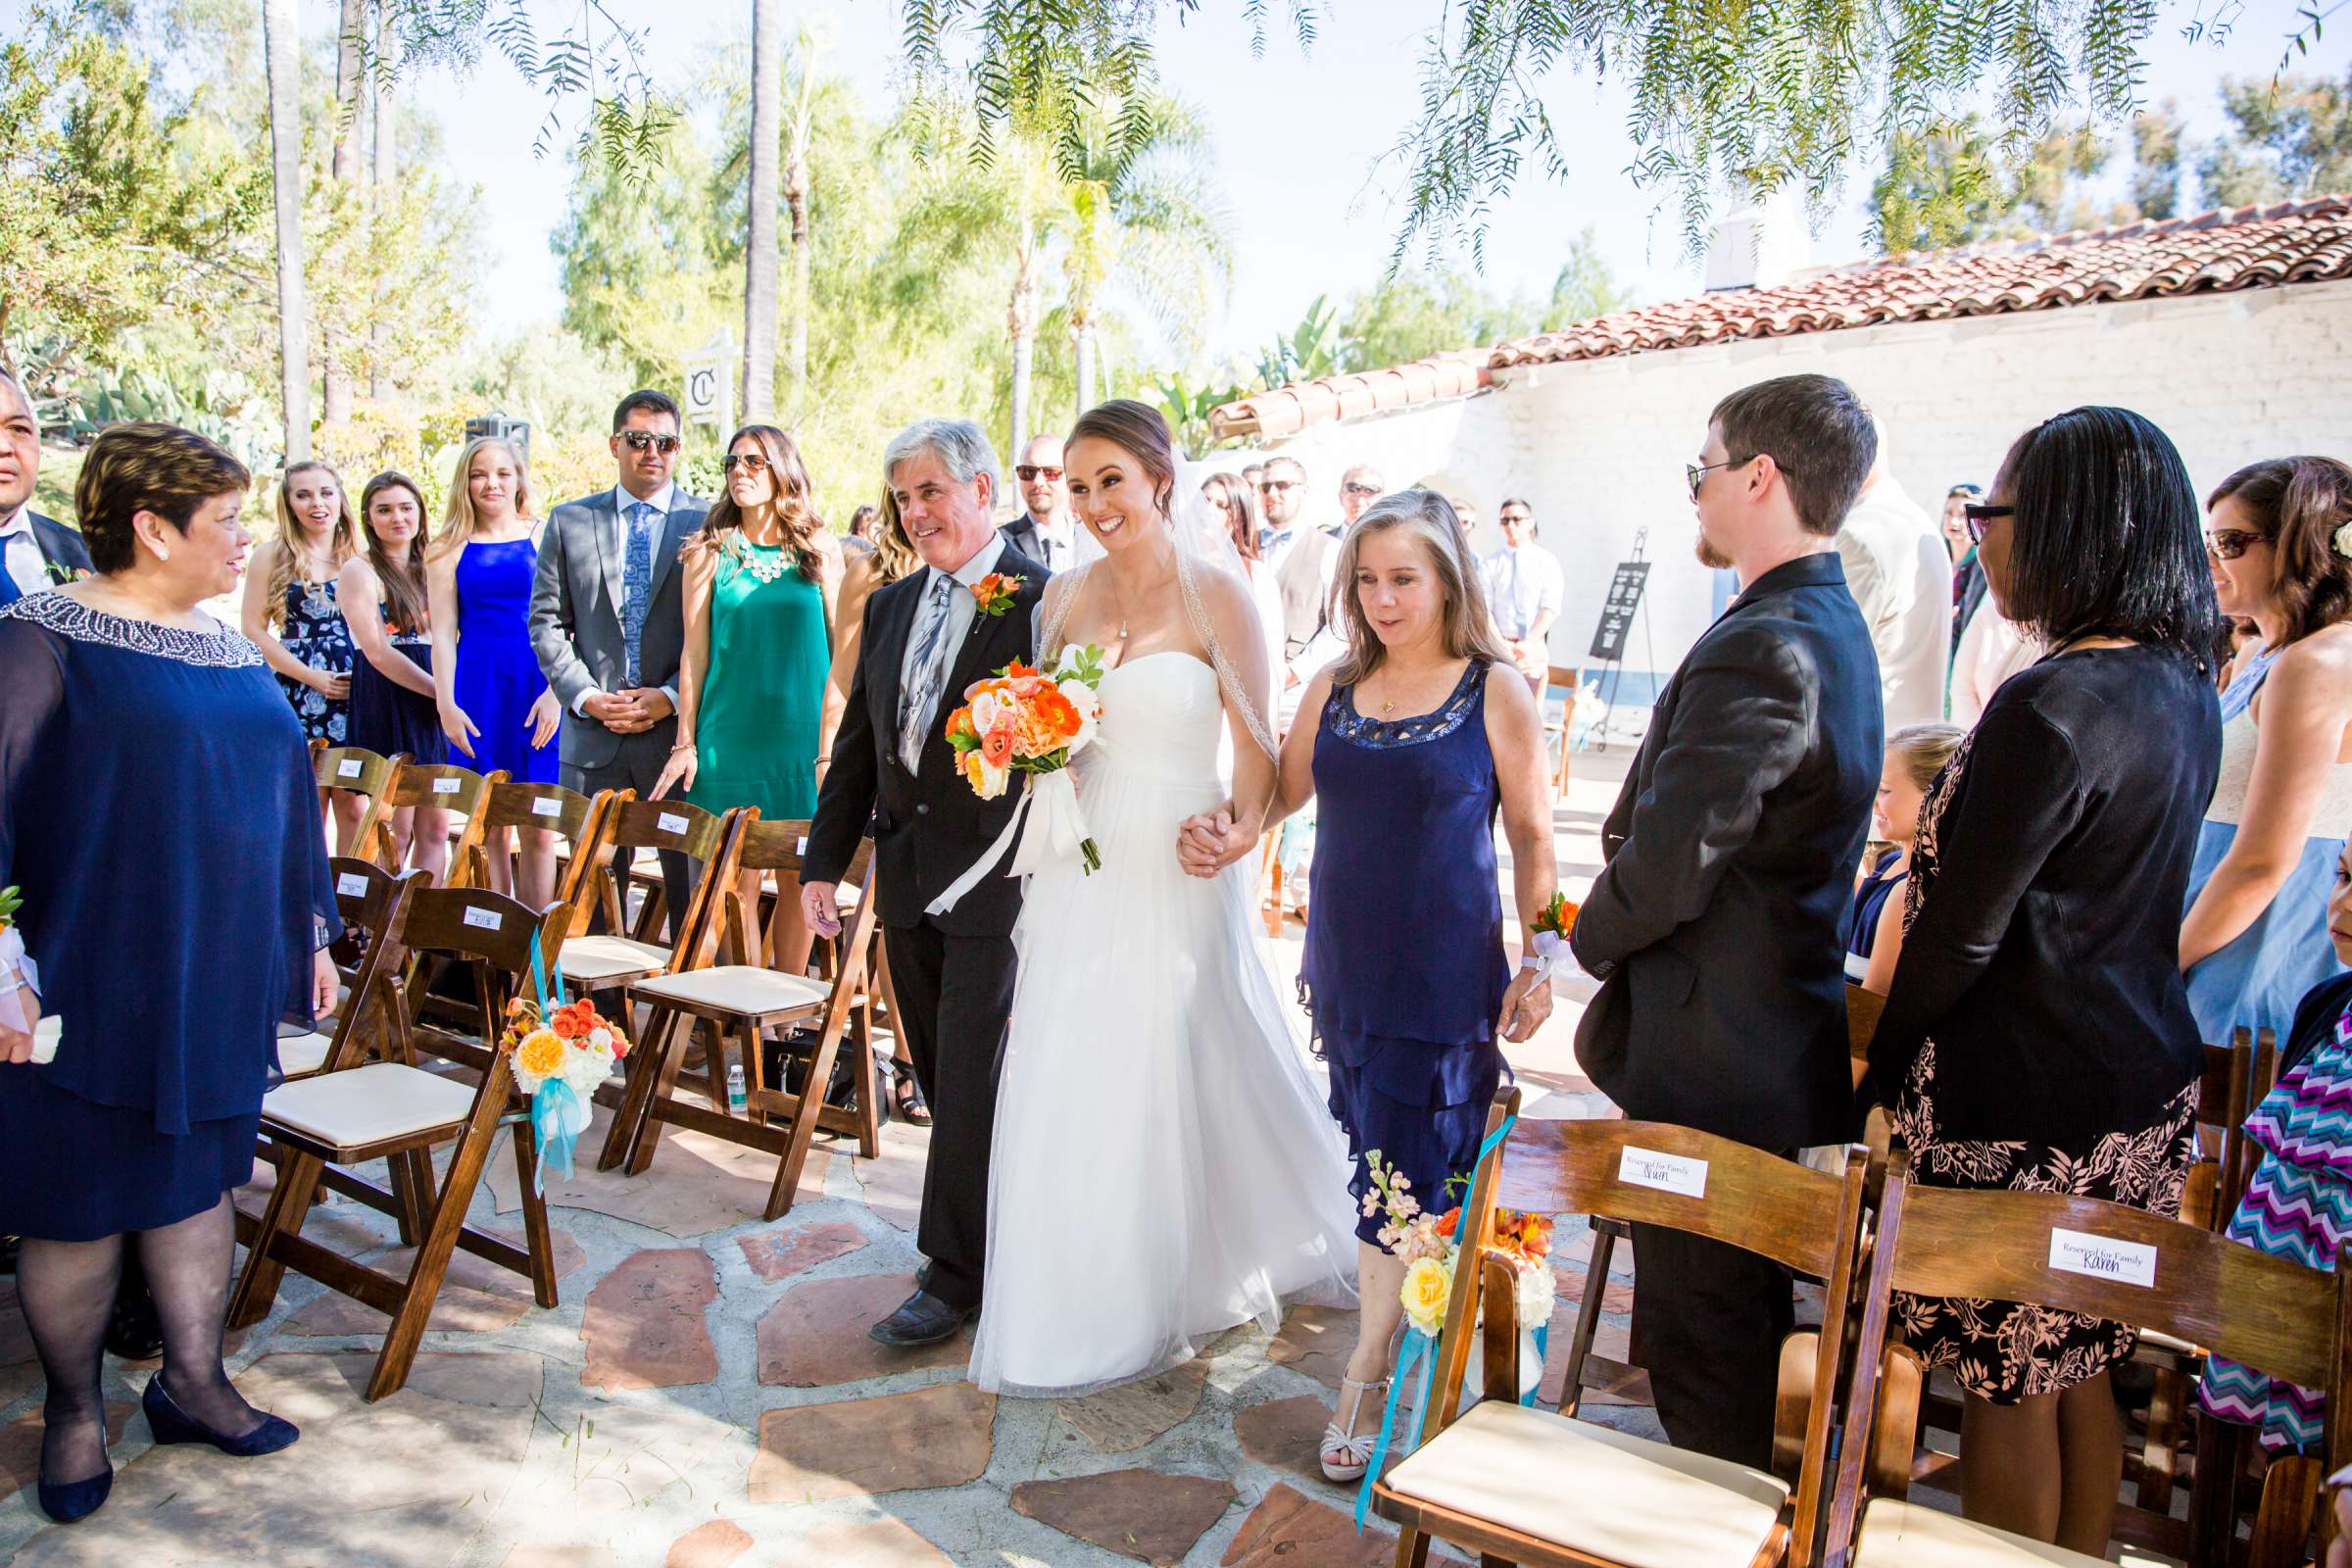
(2255, 936)
(756, 706)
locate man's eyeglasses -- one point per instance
(1515, 517)
(1356, 488)
(639, 440)
(753, 462)
(1283, 484)
(1978, 518)
(1697, 473)
(1029, 472)
(2228, 543)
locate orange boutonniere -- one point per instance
(994, 591)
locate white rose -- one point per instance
(1533, 1294)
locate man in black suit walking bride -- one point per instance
(926, 639)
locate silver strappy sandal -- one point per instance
(1355, 1452)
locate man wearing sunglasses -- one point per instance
(1044, 531)
(606, 617)
(1716, 927)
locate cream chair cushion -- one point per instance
(593, 960)
(366, 1105)
(1614, 1497)
(1904, 1534)
(738, 988)
(303, 1053)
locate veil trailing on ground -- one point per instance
(1202, 544)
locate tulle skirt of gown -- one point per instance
(1163, 1166)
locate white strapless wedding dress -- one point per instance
(1163, 1166)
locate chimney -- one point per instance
(1759, 244)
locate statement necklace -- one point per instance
(765, 568)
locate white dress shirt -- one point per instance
(1522, 585)
(1899, 572)
(962, 608)
(27, 567)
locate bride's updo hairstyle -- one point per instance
(1141, 433)
(1428, 516)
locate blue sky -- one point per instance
(1302, 143)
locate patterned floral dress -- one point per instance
(316, 633)
(2004, 1351)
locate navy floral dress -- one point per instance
(315, 632)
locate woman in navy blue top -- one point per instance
(1425, 733)
(175, 902)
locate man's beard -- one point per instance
(1709, 556)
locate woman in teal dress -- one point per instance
(756, 706)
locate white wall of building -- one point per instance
(1598, 447)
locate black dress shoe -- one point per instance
(922, 1319)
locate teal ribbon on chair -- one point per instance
(1419, 1348)
(558, 1117)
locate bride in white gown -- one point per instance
(1163, 1166)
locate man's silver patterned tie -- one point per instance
(930, 672)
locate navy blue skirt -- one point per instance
(73, 1170)
(1421, 1107)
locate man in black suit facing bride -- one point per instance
(35, 553)
(926, 639)
(1715, 928)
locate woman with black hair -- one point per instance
(2037, 1036)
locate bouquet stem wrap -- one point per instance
(1046, 826)
(1419, 1349)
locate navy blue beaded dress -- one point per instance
(1405, 970)
(158, 814)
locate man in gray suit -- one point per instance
(605, 621)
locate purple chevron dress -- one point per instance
(2299, 1207)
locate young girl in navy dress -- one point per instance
(291, 614)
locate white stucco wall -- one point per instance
(1598, 447)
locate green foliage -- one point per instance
(1188, 404)
(1410, 314)
(1584, 287)
(2156, 161)
(2291, 136)
(1309, 351)
(1957, 183)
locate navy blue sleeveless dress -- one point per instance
(1404, 970)
(176, 887)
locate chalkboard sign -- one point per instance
(1617, 611)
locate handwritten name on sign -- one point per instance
(1668, 1173)
(350, 885)
(2104, 1257)
(448, 786)
(487, 919)
(671, 822)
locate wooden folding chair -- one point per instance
(1525, 1486)
(444, 785)
(1625, 1379)
(577, 819)
(618, 958)
(390, 1109)
(2106, 1260)
(744, 998)
(356, 770)
(1567, 680)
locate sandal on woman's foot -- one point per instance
(907, 1100)
(1345, 1457)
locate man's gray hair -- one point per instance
(959, 443)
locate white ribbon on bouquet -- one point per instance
(1047, 826)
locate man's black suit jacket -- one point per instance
(61, 548)
(1716, 928)
(928, 827)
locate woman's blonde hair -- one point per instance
(1924, 749)
(460, 522)
(292, 535)
(1469, 631)
(894, 552)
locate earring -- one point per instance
(161, 554)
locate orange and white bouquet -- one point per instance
(559, 1057)
(1024, 720)
(1429, 1247)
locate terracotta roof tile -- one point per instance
(2248, 247)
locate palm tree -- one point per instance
(1141, 211)
(795, 198)
(387, 45)
(350, 79)
(759, 249)
(281, 53)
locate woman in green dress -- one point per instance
(756, 708)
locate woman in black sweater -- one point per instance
(2037, 1034)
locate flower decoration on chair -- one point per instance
(1023, 721)
(994, 591)
(559, 1057)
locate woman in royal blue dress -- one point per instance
(291, 614)
(1426, 733)
(192, 856)
(496, 709)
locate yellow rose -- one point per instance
(1427, 1285)
(541, 1054)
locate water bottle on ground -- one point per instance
(737, 1100)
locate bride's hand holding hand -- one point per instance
(1201, 840)
(1526, 1006)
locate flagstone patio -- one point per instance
(706, 1395)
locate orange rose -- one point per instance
(995, 747)
(1447, 1221)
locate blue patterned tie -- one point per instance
(930, 671)
(9, 593)
(637, 583)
